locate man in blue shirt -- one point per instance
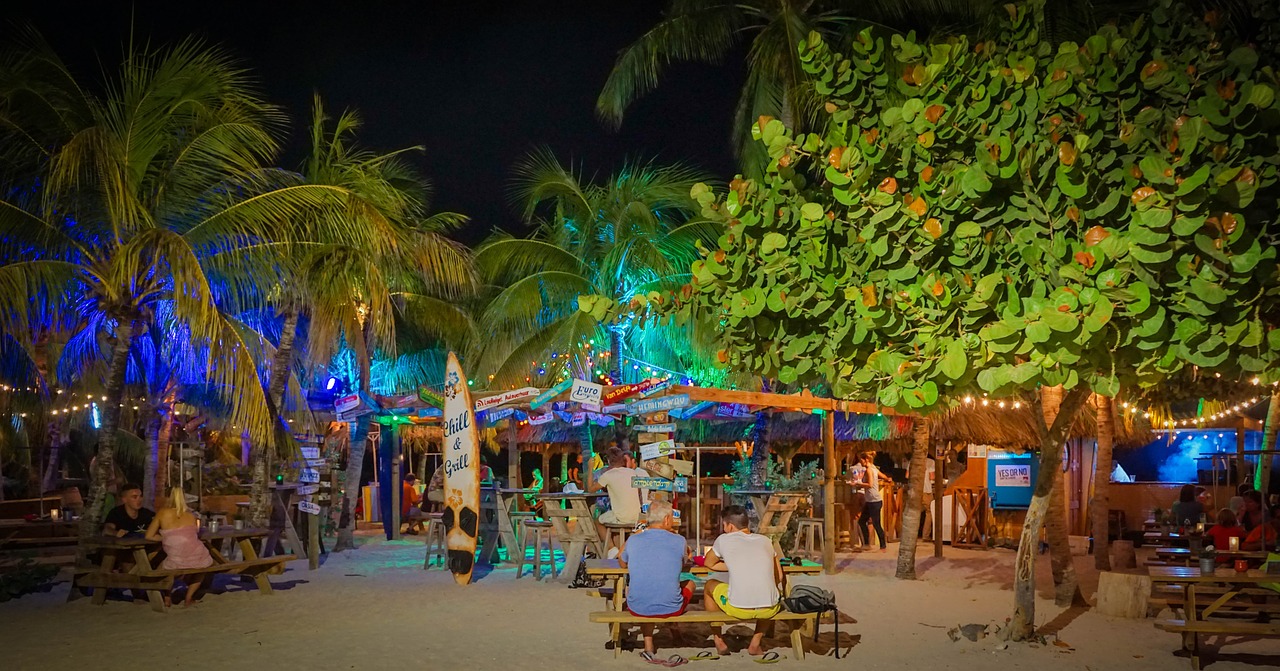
(654, 558)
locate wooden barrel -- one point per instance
(1122, 555)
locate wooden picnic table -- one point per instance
(560, 508)
(611, 569)
(36, 532)
(1162, 539)
(145, 554)
(1184, 554)
(1226, 586)
(774, 509)
(496, 506)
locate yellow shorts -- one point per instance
(721, 595)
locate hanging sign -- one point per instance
(656, 428)
(310, 453)
(661, 484)
(430, 396)
(658, 404)
(734, 410)
(506, 397)
(657, 387)
(308, 475)
(461, 472)
(682, 466)
(497, 415)
(541, 399)
(599, 420)
(578, 418)
(657, 449)
(309, 507)
(317, 463)
(978, 451)
(1013, 475)
(692, 410)
(402, 401)
(586, 393)
(308, 490)
(346, 403)
(537, 420)
(614, 409)
(628, 390)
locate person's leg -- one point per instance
(646, 630)
(763, 628)
(711, 603)
(193, 586)
(863, 520)
(874, 509)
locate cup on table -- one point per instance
(699, 561)
(239, 524)
(1242, 565)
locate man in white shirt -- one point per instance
(624, 499)
(755, 578)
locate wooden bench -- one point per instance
(162, 579)
(1191, 632)
(714, 619)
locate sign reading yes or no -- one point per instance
(1013, 475)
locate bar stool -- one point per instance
(518, 518)
(532, 535)
(436, 543)
(620, 532)
(809, 535)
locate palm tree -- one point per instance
(631, 235)
(382, 196)
(149, 193)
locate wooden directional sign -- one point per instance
(657, 388)
(549, 394)
(506, 397)
(661, 484)
(662, 404)
(308, 490)
(310, 453)
(309, 507)
(309, 475)
(541, 419)
(659, 449)
(628, 390)
(656, 428)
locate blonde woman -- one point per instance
(179, 533)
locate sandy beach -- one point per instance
(376, 608)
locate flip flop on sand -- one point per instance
(704, 656)
(674, 660)
(770, 657)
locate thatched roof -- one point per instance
(1015, 428)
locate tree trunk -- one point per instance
(104, 467)
(1262, 477)
(760, 446)
(621, 435)
(1054, 437)
(1066, 586)
(50, 480)
(914, 503)
(1102, 485)
(153, 460)
(588, 477)
(351, 484)
(259, 493)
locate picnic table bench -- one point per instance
(611, 569)
(146, 575)
(1234, 594)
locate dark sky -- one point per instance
(476, 84)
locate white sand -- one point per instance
(375, 608)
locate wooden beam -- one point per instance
(777, 401)
(829, 492)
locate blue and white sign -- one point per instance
(549, 394)
(586, 393)
(678, 485)
(657, 388)
(663, 404)
(692, 410)
(656, 428)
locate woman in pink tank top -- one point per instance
(179, 534)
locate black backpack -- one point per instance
(807, 599)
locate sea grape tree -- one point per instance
(996, 216)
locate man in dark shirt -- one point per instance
(129, 519)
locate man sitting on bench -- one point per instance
(755, 577)
(655, 557)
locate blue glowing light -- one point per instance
(97, 417)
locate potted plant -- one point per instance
(1208, 560)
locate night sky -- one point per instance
(477, 85)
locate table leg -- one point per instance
(142, 564)
(505, 528)
(108, 563)
(572, 559)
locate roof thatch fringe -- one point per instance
(1015, 428)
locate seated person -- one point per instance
(1252, 514)
(624, 499)
(655, 558)
(179, 534)
(1224, 531)
(1186, 510)
(129, 519)
(755, 578)
(409, 500)
(1263, 536)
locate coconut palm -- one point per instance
(383, 196)
(149, 192)
(633, 234)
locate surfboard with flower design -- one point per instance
(461, 473)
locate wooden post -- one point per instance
(939, 477)
(546, 466)
(829, 492)
(513, 455)
(1240, 462)
(313, 540)
(396, 491)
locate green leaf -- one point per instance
(954, 360)
(771, 242)
(968, 229)
(812, 211)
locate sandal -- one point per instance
(674, 660)
(770, 657)
(704, 656)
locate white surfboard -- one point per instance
(461, 473)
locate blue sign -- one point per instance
(679, 485)
(692, 410)
(662, 404)
(549, 394)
